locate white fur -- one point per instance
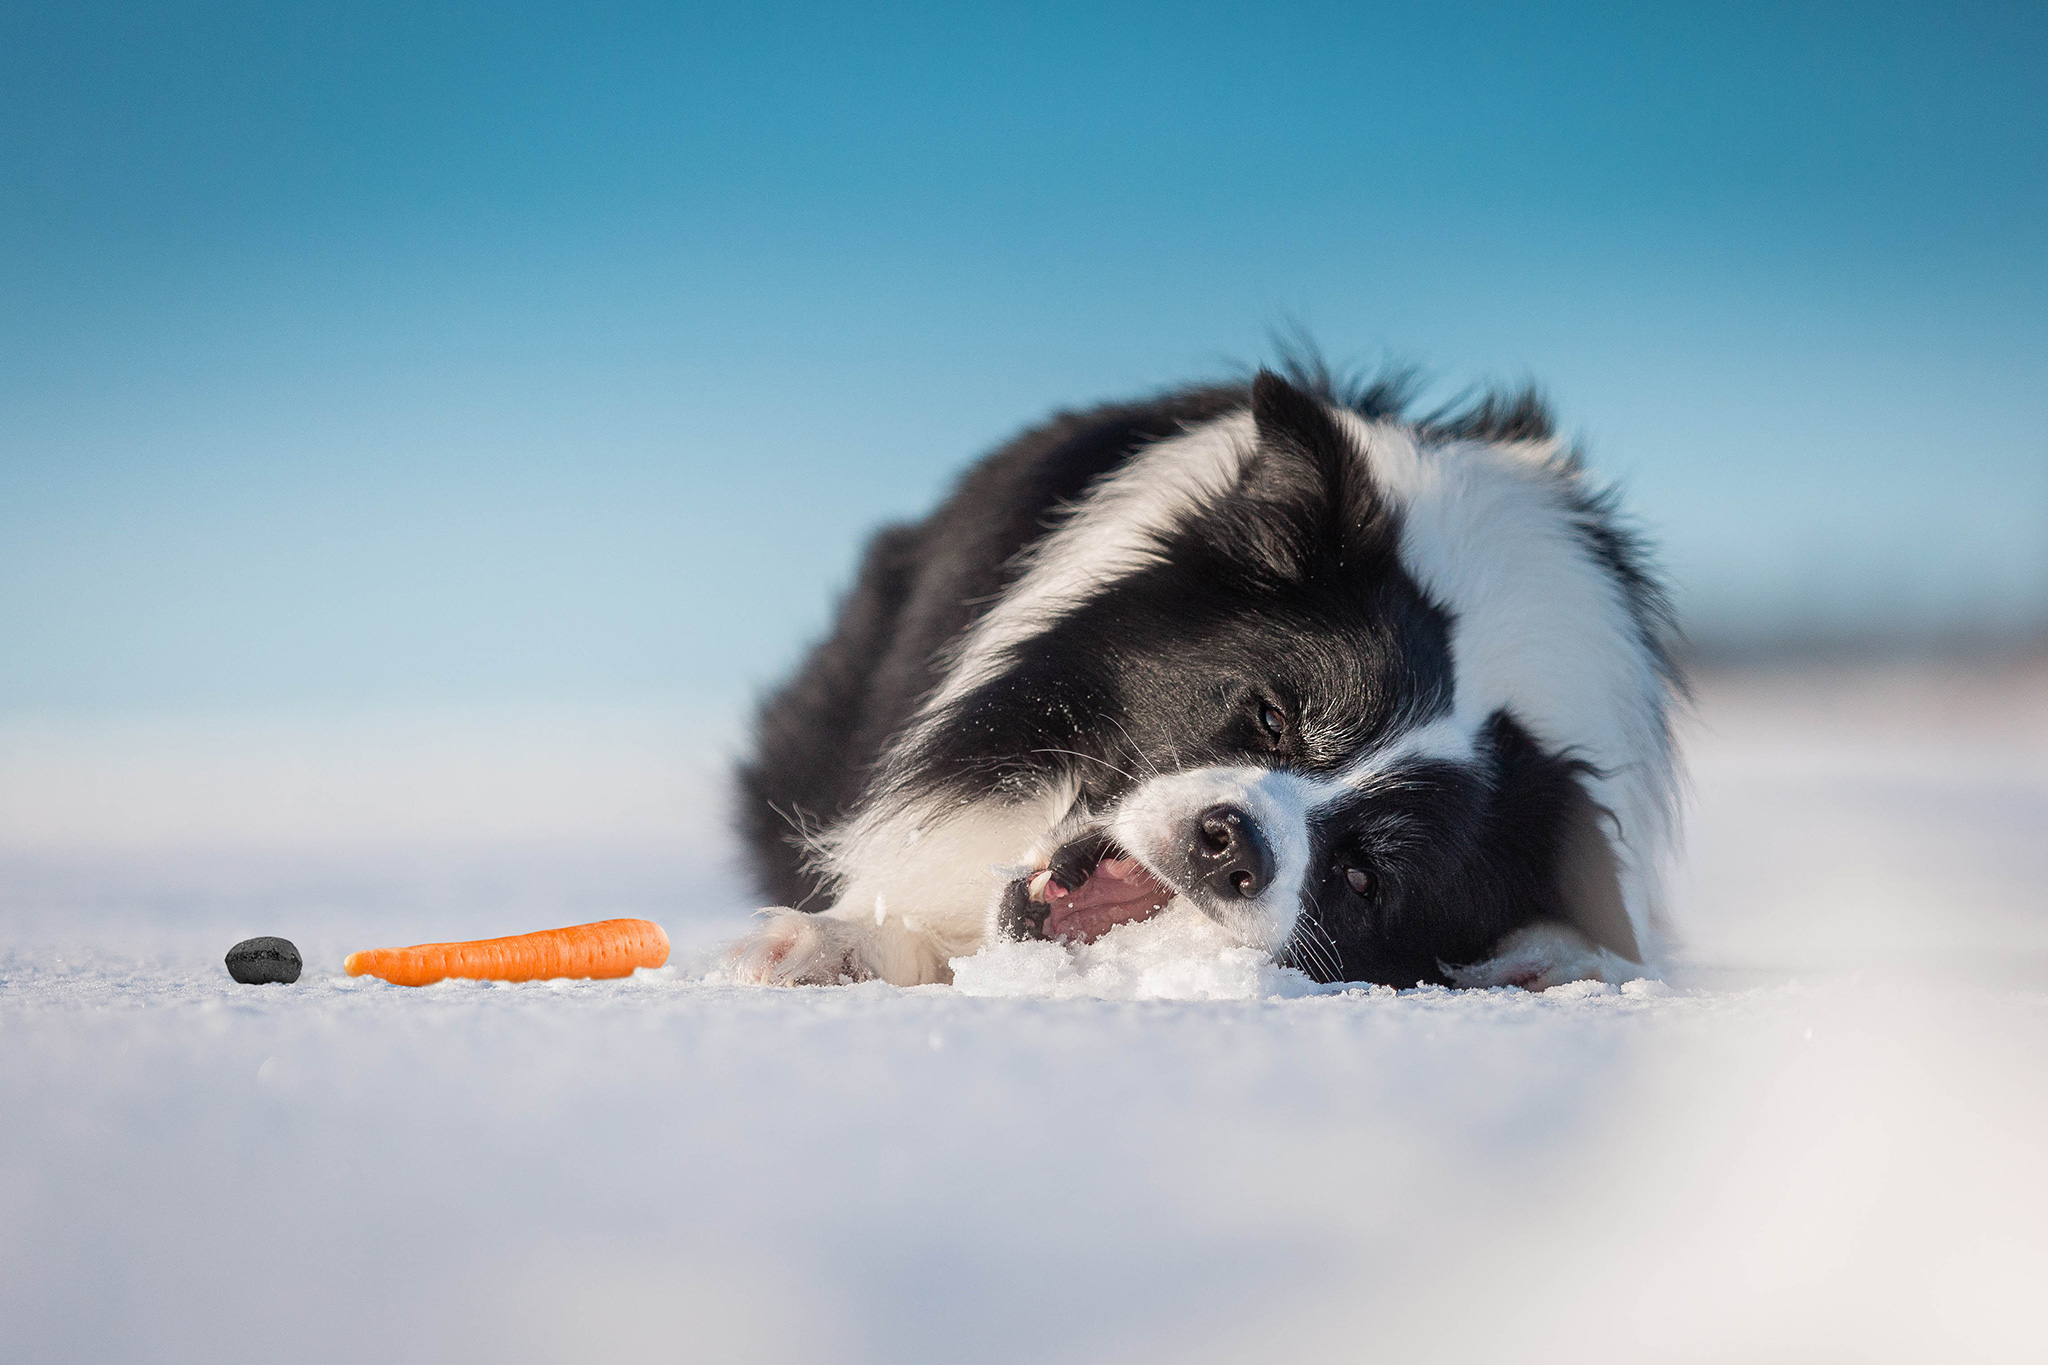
(1114, 532)
(1448, 739)
(915, 882)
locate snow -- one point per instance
(1820, 1137)
(1177, 955)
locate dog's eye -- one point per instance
(1359, 880)
(1271, 718)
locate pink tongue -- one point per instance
(1117, 892)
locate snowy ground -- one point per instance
(1822, 1139)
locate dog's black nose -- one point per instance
(1229, 855)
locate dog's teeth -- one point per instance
(1040, 881)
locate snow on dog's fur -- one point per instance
(1386, 699)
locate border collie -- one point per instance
(1388, 698)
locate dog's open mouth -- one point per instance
(1089, 887)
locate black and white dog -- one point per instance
(1388, 699)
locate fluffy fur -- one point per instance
(1388, 698)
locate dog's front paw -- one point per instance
(797, 949)
(1545, 955)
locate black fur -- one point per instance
(1459, 857)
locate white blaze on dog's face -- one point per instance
(1369, 704)
(1234, 841)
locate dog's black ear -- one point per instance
(1307, 466)
(1589, 879)
(1298, 439)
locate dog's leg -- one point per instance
(1545, 955)
(913, 894)
(854, 941)
(793, 948)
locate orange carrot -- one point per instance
(612, 947)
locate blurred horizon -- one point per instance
(396, 359)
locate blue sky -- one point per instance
(367, 356)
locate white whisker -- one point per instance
(1091, 758)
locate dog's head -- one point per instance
(1370, 700)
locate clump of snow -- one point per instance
(1178, 954)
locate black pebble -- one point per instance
(260, 961)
